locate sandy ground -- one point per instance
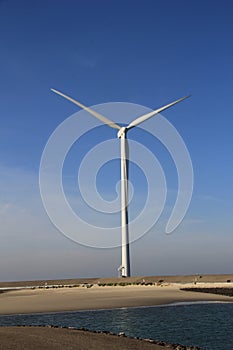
(82, 298)
(37, 338)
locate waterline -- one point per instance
(207, 324)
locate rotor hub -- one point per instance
(121, 132)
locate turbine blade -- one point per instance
(144, 117)
(89, 110)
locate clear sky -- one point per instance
(143, 52)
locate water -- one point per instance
(206, 325)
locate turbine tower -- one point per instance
(122, 132)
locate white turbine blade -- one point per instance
(89, 110)
(151, 114)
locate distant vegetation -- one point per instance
(99, 284)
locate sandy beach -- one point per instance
(49, 297)
(96, 297)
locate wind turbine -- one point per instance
(122, 132)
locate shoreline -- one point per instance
(51, 299)
(66, 299)
(50, 337)
(172, 304)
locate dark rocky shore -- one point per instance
(217, 290)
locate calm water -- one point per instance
(206, 325)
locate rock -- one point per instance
(121, 334)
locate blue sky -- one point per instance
(148, 53)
